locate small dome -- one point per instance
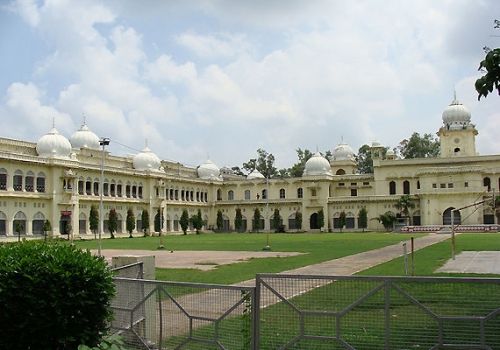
(208, 171)
(317, 165)
(343, 152)
(53, 145)
(376, 144)
(147, 160)
(456, 116)
(390, 154)
(84, 138)
(255, 174)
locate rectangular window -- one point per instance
(313, 192)
(450, 185)
(434, 186)
(354, 183)
(341, 184)
(354, 192)
(40, 184)
(466, 184)
(366, 184)
(442, 185)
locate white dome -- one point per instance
(317, 165)
(376, 144)
(208, 171)
(456, 116)
(53, 145)
(84, 138)
(255, 174)
(147, 160)
(343, 152)
(390, 154)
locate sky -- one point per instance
(219, 79)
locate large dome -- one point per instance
(53, 145)
(255, 174)
(456, 116)
(208, 171)
(317, 165)
(84, 138)
(343, 152)
(147, 160)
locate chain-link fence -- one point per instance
(174, 315)
(354, 312)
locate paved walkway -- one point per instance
(474, 262)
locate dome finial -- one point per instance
(84, 117)
(53, 122)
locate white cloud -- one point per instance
(220, 45)
(27, 9)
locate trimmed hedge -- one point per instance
(52, 296)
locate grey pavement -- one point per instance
(473, 262)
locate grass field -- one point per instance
(318, 247)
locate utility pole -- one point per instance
(103, 143)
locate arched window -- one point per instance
(80, 186)
(392, 187)
(96, 187)
(230, 195)
(206, 196)
(112, 188)
(88, 186)
(105, 187)
(219, 194)
(82, 223)
(264, 194)
(134, 190)
(340, 172)
(282, 193)
(487, 183)
(197, 196)
(19, 223)
(18, 180)
(3, 223)
(176, 193)
(300, 192)
(139, 191)
(182, 195)
(418, 185)
(406, 187)
(3, 179)
(119, 187)
(127, 190)
(29, 182)
(37, 224)
(191, 196)
(40, 182)
(247, 195)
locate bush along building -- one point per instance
(59, 180)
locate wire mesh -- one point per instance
(169, 315)
(317, 312)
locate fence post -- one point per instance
(387, 312)
(256, 314)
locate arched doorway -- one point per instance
(457, 220)
(314, 222)
(65, 223)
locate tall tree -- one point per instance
(220, 221)
(425, 146)
(490, 66)
(404, 204)
(364, 160)
(145, 222)
(256, 220)
(197, 221)
(238, 220)
(130, 222)
(298, 220)
(298, 168)
(47, 227)
(94, 220)
(342, 220)
(263, 163)
(112, 222)
(387, 220)
(321, 218)
(276, 220)
(184, 221)
(363, 218)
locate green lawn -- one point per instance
(429, 259)
(317, 248)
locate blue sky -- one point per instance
(221, 78)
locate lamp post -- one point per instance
(102, 142)
(267, 247)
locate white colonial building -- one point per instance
(57, 179)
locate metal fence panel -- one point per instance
(354, 312)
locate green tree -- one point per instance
(47, 227)
(298, 220)
(94, 220)
(321, 218)
(298, 168)
(18, 227)
(387, 220)
(237, 170)
(184, 221)
(364, 160)
(130, 222)
(404, 204)
(238, 220)
(342, 220)
(490, 66)
(276, 220)
(197, 221)
(256, 220)
(425, 146)
(145, 222)
(263, 163)
(112, 222)
(220, 221)
(363, 218)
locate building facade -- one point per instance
(57, 179)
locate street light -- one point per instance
(102, 142)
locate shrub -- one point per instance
(52, 296)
